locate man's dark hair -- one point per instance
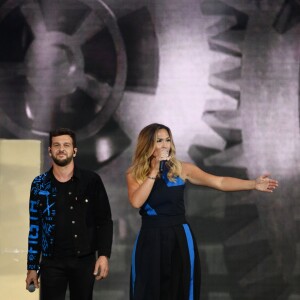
(62, 131)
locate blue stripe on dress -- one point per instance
(149, 210)
(133, 272)
(192, 258)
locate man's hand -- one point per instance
(32, 276)
(101, 268)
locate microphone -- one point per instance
(31, 287)
(162, 164)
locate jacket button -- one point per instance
(75, 235)
(71, 207)
(78, 252)
(86, 200)
(73, 222)
(70, 193)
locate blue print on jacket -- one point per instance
(42, 212)
(34, 230)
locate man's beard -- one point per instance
(62, 162)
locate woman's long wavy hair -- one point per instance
(145, 147)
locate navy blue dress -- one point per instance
(165, 261)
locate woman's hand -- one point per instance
(154, 164)
(160, 154)
(265, 184)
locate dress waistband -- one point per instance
(160, 221)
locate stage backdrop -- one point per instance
(222, 74)
(19, 161)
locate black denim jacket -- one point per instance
(92, 226)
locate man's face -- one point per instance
(62, 150)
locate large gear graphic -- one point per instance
(255, 259)
(68, 65)
(52, 43)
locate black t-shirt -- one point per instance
(63, 245)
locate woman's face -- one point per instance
(162, 144)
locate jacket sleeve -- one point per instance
(103, 220)
(34, 236)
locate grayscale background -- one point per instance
(223, 75)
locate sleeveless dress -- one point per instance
(165, 261)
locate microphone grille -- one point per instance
(31, 288)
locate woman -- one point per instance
(165, 260)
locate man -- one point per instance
(71, 229)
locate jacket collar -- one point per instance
(76, 174)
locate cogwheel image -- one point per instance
(65, 66)
(249, 240)
(68, 65)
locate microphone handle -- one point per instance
(162, 165)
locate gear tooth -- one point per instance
(219, 24)
(199, 153)
(226, 64)
(227, 82)
(254, 5)
(211, 140)
(245, 198)
(230, 39)
(225, 77)
(207, 145)
(226, 103)
(261, 267)
(225, 119)
(232, 136)
(220, 119)
(266, 269)
(228, 43)
(246, 236)
(222, 8)
(213, 206)
(231, 89)
(217, 268)
(213, 93)
(232, 157)
(210, 22)
(248, 214)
